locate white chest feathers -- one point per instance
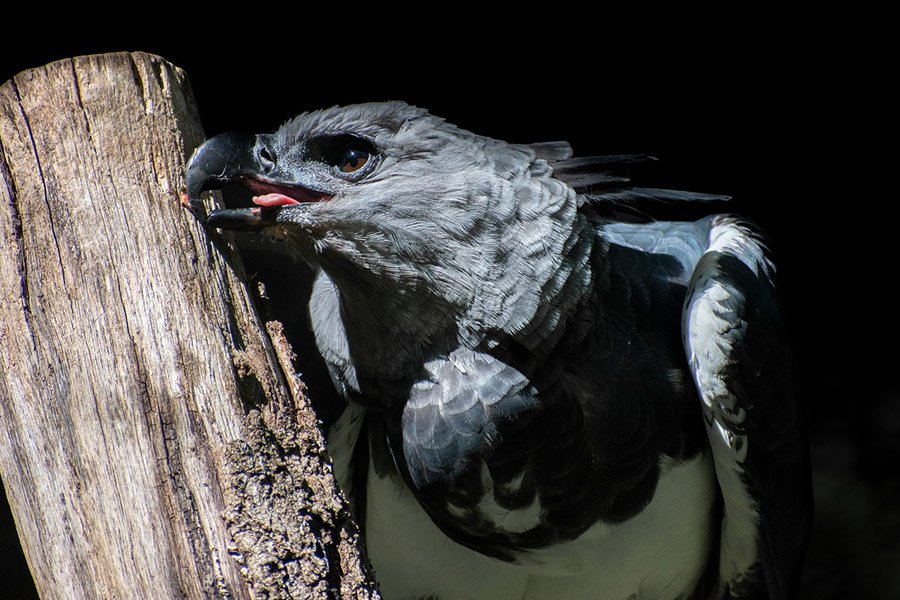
(659, 554)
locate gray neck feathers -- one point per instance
(509, 256)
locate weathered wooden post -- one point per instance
(154, 441)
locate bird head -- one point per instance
(412, 218)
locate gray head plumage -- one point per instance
(441, 232)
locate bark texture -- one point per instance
(141, 397)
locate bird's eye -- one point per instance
(352, 159)
(349, 156)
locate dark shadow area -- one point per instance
(14, 574)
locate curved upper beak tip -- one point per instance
(218, 161)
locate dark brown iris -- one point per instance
(353, 159)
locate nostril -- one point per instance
(266, 157)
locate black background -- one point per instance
(791, 127)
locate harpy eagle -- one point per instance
(550, 400)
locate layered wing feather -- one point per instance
(737, 354)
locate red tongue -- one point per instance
(273, 200)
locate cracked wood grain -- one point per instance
(125, 339)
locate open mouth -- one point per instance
(272, 194)
(270, 199)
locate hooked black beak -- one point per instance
(252, 161)
(221, 160)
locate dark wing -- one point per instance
(737, 353)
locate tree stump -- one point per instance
(155, 440)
